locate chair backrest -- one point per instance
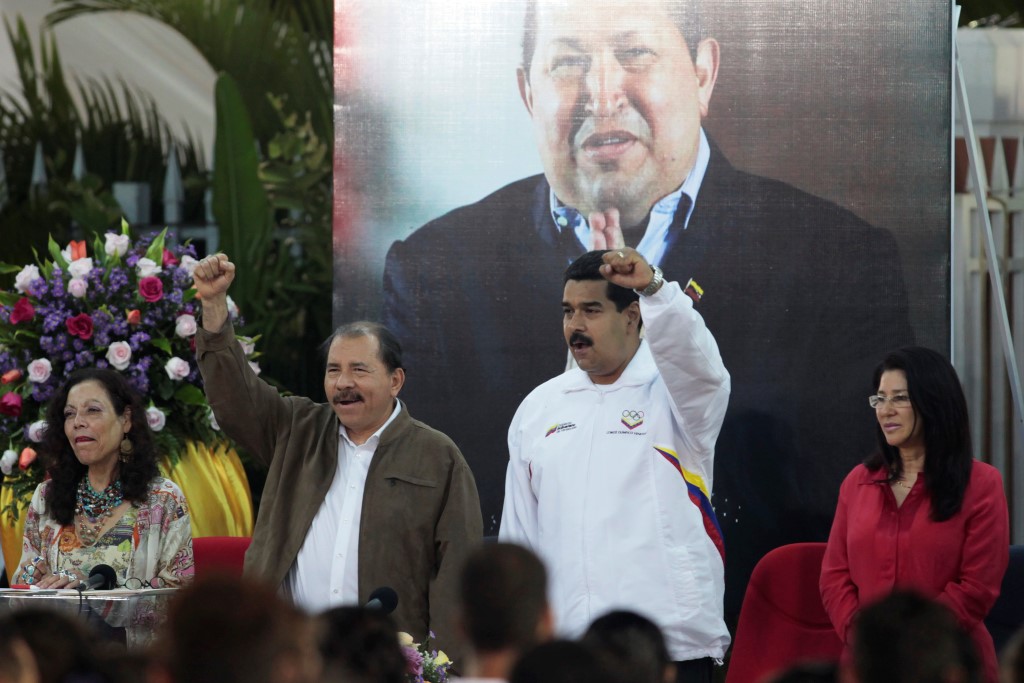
(1007, 615)
(220, 554)
(782, 621)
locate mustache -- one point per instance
(629, 121)
(346, 395)
(580, 338)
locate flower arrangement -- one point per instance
(422, 663)
(127, 305)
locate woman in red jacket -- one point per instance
(921, 513)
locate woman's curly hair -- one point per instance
(59, 458)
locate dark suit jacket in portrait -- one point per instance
(802, 296)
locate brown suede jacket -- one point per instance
(420, 516)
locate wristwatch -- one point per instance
(657, 280)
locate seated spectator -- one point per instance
(907, 638)
(560, 661)
(808, 672)
(17, 663)
(503, 608)
(227, 630)
(60, 645)
(359, 645)
(631, 647)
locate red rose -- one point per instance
(151, 289)
(22, 311)
(169, 259)
(134, 317)
(10, 404)
(80, 326)
(10, 376)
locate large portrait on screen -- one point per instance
(793, 161)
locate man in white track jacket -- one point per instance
(610, 470)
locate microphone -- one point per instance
(384, 598)
(102, 577)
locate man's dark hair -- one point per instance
(390, 352)
(907, 638)
(559, 661)
(938, 399)
(136, 472)
(360, 645)
(227, 630)
(631, 646)
(502, 597)
(588, 267)
(685, 15)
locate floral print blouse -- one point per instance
(150, 541)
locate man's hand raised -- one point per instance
(211, 278)
(627, 268)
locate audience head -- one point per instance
(360, 645)
(1012, 663)
(808, 672)
(631, 647)
(17, 663)
(228, 630)
(503, 598)
(559, 661)
(906, 638)
(102, 404)
(936, 419)
(59, 644)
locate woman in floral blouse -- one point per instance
(104, 501)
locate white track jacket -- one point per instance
(611, 484)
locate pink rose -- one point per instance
(10, 376)
(151, 289)
(156, 418)
(119, 354)
(39, 370)
(35, 431)
(28, 456)
(169, 259)
(134, 317)
(77, 287)
(177, 369)
(80, 326)
(185, 325)
(10, 404)
(22, 311)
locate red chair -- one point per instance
(220, 554)
(782, 621)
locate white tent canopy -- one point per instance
(142, 52)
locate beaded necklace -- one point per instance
(95, 508)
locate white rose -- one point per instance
(39, 370)
(81, 267)
(34, 431)
(177, 368)
(255, 366)
(156, 418)
(232, 308)
(77, 287)
(189, 264)
(247, 344)
(25, 277)
(117, 245)
(119, 354)
(213, 420)
(185, 325)
(8, 461)
(146, 267)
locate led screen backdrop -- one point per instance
(819, 233)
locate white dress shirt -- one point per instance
(326, 570)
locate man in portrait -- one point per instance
(802, 295)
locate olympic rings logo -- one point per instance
(633, 415)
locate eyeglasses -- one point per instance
(897, 401)
(133, 583)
